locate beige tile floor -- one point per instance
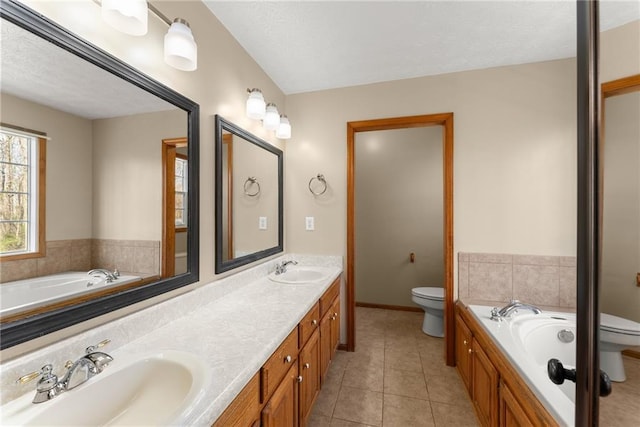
(396, 377)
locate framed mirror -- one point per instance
(117, 190)
(249, 197)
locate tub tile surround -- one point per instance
(140, 257)
(234, 324)
(536, 279)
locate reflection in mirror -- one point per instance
(621, 199)
(249, 197)
(89, 224)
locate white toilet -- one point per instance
(431, 300)
(616, 334)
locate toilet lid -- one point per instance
(429, 293)
(617, 324)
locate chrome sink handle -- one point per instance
(93, 348)
(48, 385)
(282, 267)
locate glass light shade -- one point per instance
(271, 119)
(256, 107)
(128, 16)
(284, 129)
(180, 49)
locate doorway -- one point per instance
(174, 203)
(445, 120)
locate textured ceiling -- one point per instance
(314, 45)
(38, 71)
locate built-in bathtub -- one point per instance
(28, 294)
(529, 340)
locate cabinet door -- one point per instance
(335, 326)
(309, 369)
(282, 409)
(484, 383)
(325, 344)
(511, 413)
(463, 351)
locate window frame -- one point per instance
(40, 216)
(185, 177)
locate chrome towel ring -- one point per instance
(252, 181)
(323, 185)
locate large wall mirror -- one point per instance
(621, 198)
(249, 197)
(100, 171)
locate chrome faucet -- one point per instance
(78, 372)
(508, 309)
(282, 267)
(109, 275)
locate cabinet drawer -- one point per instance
(308, 325)
(327, 299)
(278, 364)
(245, 409)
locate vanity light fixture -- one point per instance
(284, 128)
(271, 119)
(180, 49)
(128, 16)
(256, 107)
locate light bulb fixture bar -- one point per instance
(130, 17)
(258, 109)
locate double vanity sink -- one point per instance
(189, 369)
(159, 389)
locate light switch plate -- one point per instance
(309, 223)
(262, 223)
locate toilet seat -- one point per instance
(435, 294)
(619, 325)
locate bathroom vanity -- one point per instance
(283, 391)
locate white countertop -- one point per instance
(233, 325)
(234, 336)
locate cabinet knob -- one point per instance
(299, 378)
(464, 342)
(335, 314)
(314, 322)
(470, 351)
(287, 359)
(307, 366)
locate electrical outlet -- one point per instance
(262, 223)
(309, 223)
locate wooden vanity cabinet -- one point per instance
(282, 408)
(309, 372)
(500, 396)
(283, 393)
(329, 326)
(244, 411)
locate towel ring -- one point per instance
(321, 179)
(250, 182)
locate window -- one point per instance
(181, 187)
(22, 162)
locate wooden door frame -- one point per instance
(446, 121)
(168, 244)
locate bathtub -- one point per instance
(529, 340)
(32, 293)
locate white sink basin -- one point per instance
(297, 275)
(156, 390)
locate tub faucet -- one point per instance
(282, 267)
(508, 309)
(110, 276)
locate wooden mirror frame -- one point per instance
(25, 329)
(222, 265)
